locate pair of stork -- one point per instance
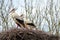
(20, 21)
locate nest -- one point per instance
(26, 34)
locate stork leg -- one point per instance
(17, 25)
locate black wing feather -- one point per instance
(20, 21)
(31, 24)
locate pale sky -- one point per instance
(20, 4)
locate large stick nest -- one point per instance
(26, 34)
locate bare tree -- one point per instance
(4, 12)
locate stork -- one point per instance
(21, 20)
(29, 24)
(16, 18)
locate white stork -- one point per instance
(29, 24)
(21, 20)
(17, 18)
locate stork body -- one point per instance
(17, 18)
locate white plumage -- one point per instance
(21, 20)
(16, 18)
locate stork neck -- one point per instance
(13, 11)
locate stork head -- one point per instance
(12, 10)
(22, 16)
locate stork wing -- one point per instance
(31, 24)
(20, 21)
